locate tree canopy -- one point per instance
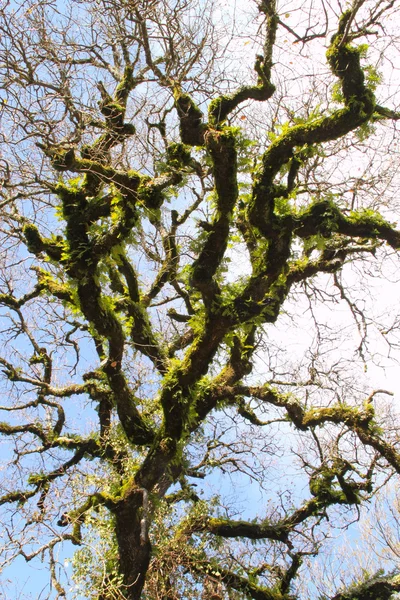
(190, 191)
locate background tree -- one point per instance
(178, 179)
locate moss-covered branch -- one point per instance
(238, 366)
(360, 420)
(222, 106)
(170, 264)
(239, 583)
(344, 61)
(191, 126)
(253, 531)
(31, 428)
(16, 303)
(18, 496)
(77, 517)
(222, 149)
(328, 486)
(381, 587)
(134, 305)
(326, 219)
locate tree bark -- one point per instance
(131, 527)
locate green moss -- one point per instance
(215, 109)
(136, 177)
(63, 160)
(6, 427)
(367, 217)
(221, 107)
(178, 155)
(72, 197)
(327, 491)
(125, 85)
(37, 479)
(59, 290)
(72, 186)
(33, 238)
(322, 218)
(112, 109)
(350, 415)
(37, 359)
(53, 246)
(191, 119)
(151, 197)
(344, 60)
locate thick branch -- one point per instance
(221, 107)
(381, 588)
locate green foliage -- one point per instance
(365, 131)
(95, 565)
(372, 77)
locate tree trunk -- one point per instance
(131, 520)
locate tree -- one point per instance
(165, 205)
